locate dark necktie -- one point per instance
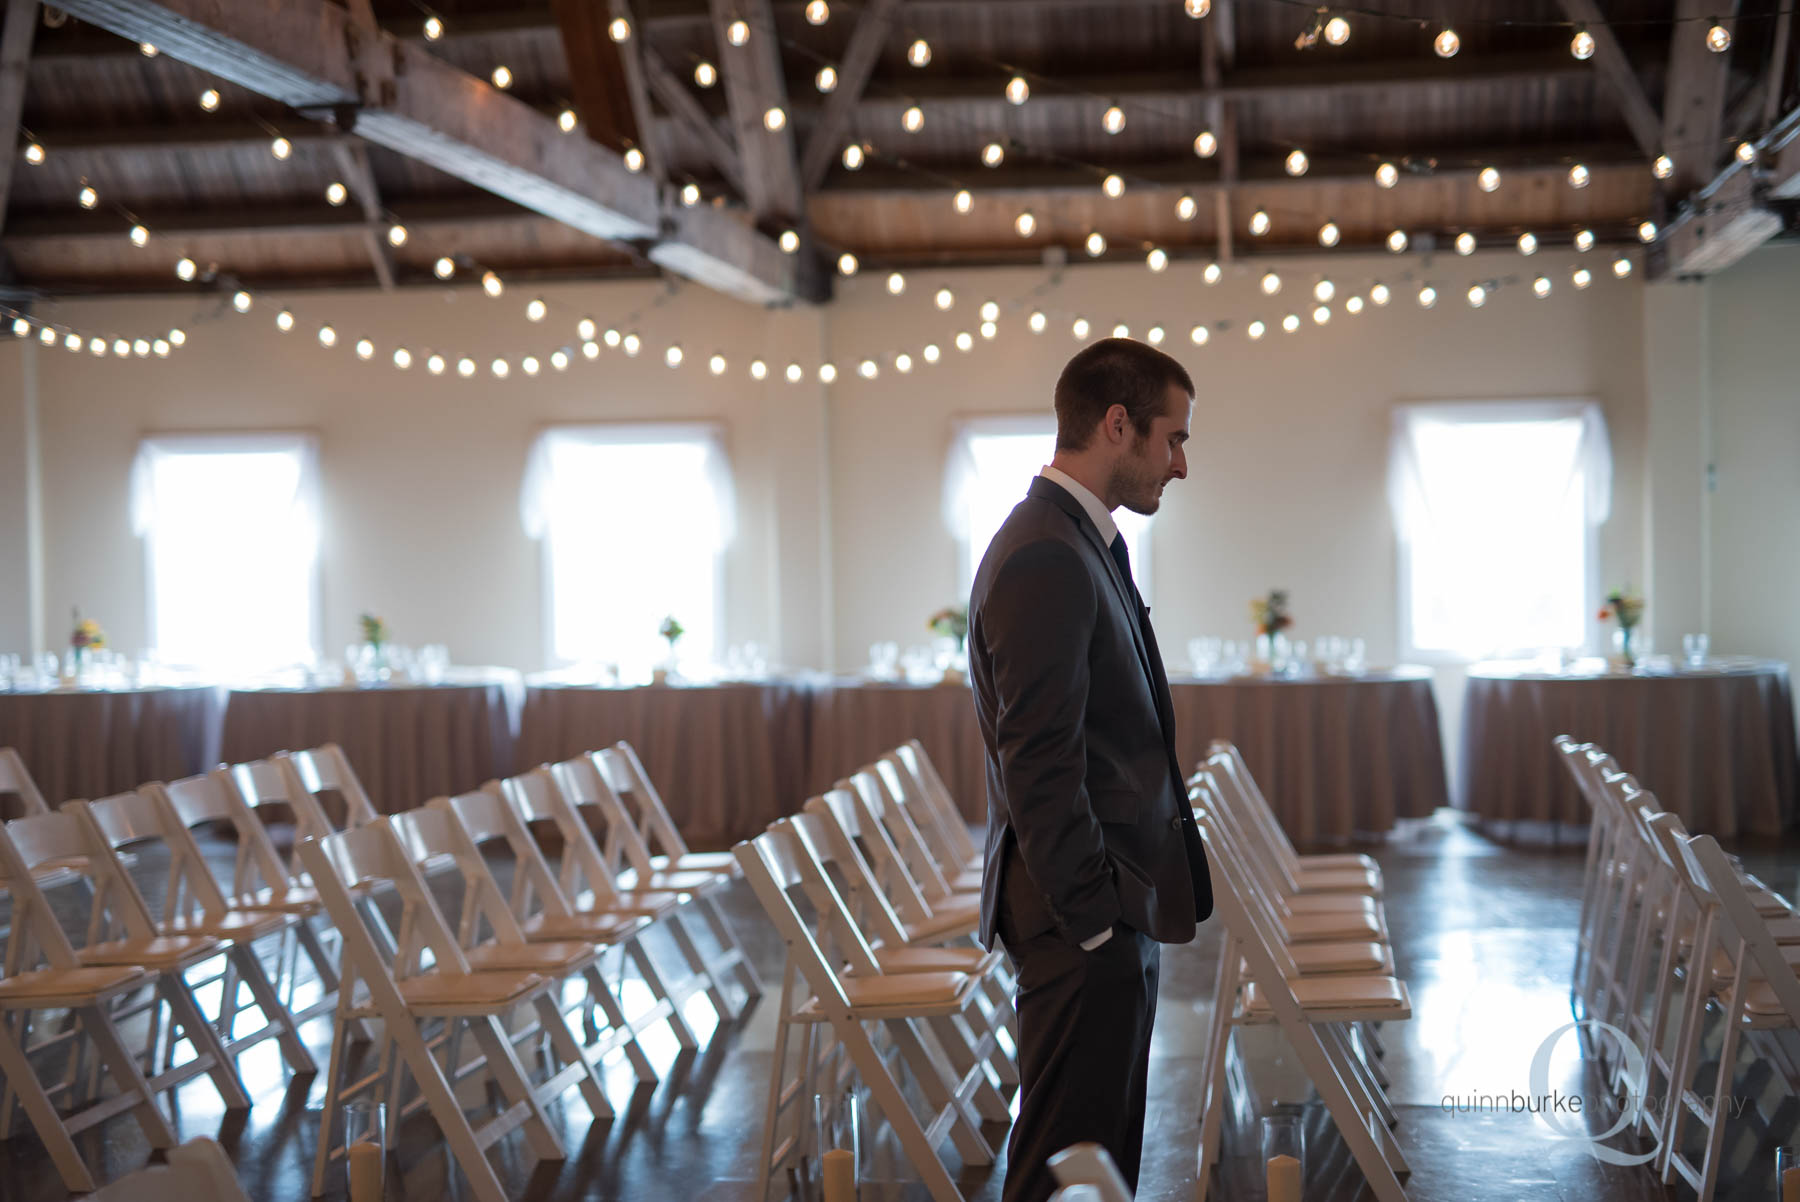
(1122, 556)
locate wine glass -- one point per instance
(1695, 646)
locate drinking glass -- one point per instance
(1283, 1149)
(1695, 646)
(365, 1149)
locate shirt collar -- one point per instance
(1097, 512)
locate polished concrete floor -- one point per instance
(1483, 933)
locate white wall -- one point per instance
(839, 488)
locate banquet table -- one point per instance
(727, 759)
(856, 721)
(408, 742)
(1716, 745)
(91, 743)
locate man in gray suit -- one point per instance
(1093, 859)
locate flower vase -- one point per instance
(955, 672)
(1271, 653)
(75, 667)
(1625, 648)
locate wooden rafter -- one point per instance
(853, 76)
(1627, 90)
(754, 86)
(353, 160)
(607, 78)
(1694, 101)
(685, 108)
(1218, 47)
(15, 55)
(298, 52)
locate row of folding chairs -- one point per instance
(1307, 949)
(874, 889)
(1677, 946)
(622, 869)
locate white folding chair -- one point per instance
(1320, 872)
(1088, 1167)
(669, 851)
(912, 754)
(897, 1003)
(921, 921)
(905, 792)
(197, 1169)
(878, 808)
(326, 769)
(15, 779)
(426, 977)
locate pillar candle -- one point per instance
(365, 1171)
(1790, 1184)
(1284, 1179)
(839, 1172)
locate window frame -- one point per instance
(1594, 512)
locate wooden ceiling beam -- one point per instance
(1694, 98)
(754, 86)
(1627, 90)
(353, 161)
(607, 78)
(299, 52)
(866, 41)
(16, 32)
(687, 109)
(273, 221)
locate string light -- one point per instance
(619, 30)
(1488, 179)
(1378, 293)
(867, 369)
(559, 359)
(1447, 44)
(281, 148)
(47, 336)
(501, 77)
(1582, 277)
(1113, 120)
(1018, 91)
(1746, 152)
(159, 347)
(435, 364)
(34, 154)
(492, 284)
(1096, 244)
(567, 120)
(716, 364)
(1025, 224)
(1621, 267)
(21, 327)
(632, 344)
(1212, 273)
(1578, 176)
(209, 100)
(1324, 290)
(87, 197)
(1206, 144)
(1353, 306)
(1584, 240)
(931, 353)
(1663, 167)
(434, 29)
(241, 301)
(1121, 331)
(919, 53)
(284, 320)
(965, 342)
(1113, 185)
(530, 364)
(336, 193)
(1477, 296)
(737, 33)
(913, 119)
(1582, 45)
(1329, 234)
(1646, 231)
(634, 159)
(147, 50)
(759, 370)
(1387, 175)
(1271, 283)
(1197, 8)
(989, 311)
(1528, 243)
(817, 12)
(535, 309)
(396, 235)
(1256, 330)
(1199, 335)
(501, 369)
(1079, 327)
(140, 236)
(896, 283)
(794, 373)
(327, 336)
(1718, 39)
(705, 74)
(97, 346)
(590, 350)
(672, 356)
(611, 338)
(775, 119)
(903, 363)
(1397, 241)
(1337, 31)
(789, 241)
(690, 194)
(1186, 207)
(1259, 222)
(964, 200)
(177, 337)
(993, 154)
(1321, 314)
(364, 348)
(444, 268)
(402, 358)
(1465, 243)
(584, 329)
(826, 80)
(1540, 287)
(1427, 297)
(944, 298)
(1037, 321)
(1297, 163)
(847, 264)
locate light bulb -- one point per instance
(590, 350)
(847, 264)
(284, 320)
(444, 268)
(1353, 306)
(281, 148)
(1646, 231)
(631, 344)
(1397, 241)
(1663, 167)
(1018, 90)
(944, 298)
(672, 356)
(1037, 321)
(209, 100)
(535, 309)
(1477, 296)
(435, 364)
(867, 369)
(336, 193)
(364, 348)
(1528, 243)
(619, 30)
(20, 327)
(789, 241)
(1079, 327)
(919, 53)
(87, 197)
(185, 269)
(1321, 314)
(913, 119)
(1582, 277)
(759, 370)
(140, 347)
(402, 358)
(1324, 290)
(1113, 120)
(1379, 294)
(1297, 162)
(1290, 323)
(794, 373)
(903, 363)
(1540, 287)
(501, 368)
(1447, 44)
(1256, 329)
(690, 194)
(241, 301)
(1212, 273)
(930, 354)
(1329, 234)
(1578, 176)
(1621, 267)
(1186, 207)
(1465, 243)
(1121, 331)
(826, 79)
(993, 154)
(559, 359)
(1096, 244)
(1746, 152)
(853, 156)
(1206, 144)
(1259, 222)
(434, 29)
(501, 77)
(990, 311)
(1271, 283)
(396, 235)
(817, 12)
(1584, 240)
(1199, 335)
(1488, 179)
(34, 154)
(47, 336)
(1337, 31)
(964, 200)
(1113, 185)
(1427, 297)
(775, 118)
(705, 74)
(1718, 39)
(567, 120)
(1582, 45)
(716, 364)
(147, 50)
(896, 283)
(327, 336)
(159, 347)
(530, 365)
(737, 33)
(97, 346)
(492, 284)
(1387, 175)
(1025, 223)
(965, 341)
(1197, 8)
(72, 342)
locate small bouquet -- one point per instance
(1271, 613)
(951, 622)
(1628, 611)
(672, 631)
(374, 631)
(87, 635)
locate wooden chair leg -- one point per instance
(570, 1051)
(459, 1137)
(263, 992)
(205, 1040)
(698, 963)
(509, 1077)
(41, 1113)
(659, 989)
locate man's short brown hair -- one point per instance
(1114, 371)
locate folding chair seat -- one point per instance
(656, 828)
(818, 999)
(404, 991)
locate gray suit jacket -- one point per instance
(1088, 820)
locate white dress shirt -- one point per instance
(1109, 530)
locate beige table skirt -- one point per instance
(93, 744)
(855, 722)
(1717, 749)
(727, 759)
(408, 743)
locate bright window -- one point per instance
(992, 462)
(1496, 506)
(634, 521)
(230, 529)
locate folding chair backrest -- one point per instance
(802, 870)
(835, 849)
(1755, 945)
(584, 786)
(486, 818)
(1251, 810)
(582, 869)
(356, 860)
(880, 811)
(1232, 820)
(71, 839)
(767, 863)
(269, 786)
(905, 792)
(36, 936)
(433, 837)
(326, 768)
(655, 826)
(1574, 757)
(145, 815)
(212, 798)
(845, 814)
(1229, 892)
(15, 779)
(912, 753)
(1258, 909)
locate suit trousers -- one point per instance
(1085, 1020)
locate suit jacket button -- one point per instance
(1175, 823)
